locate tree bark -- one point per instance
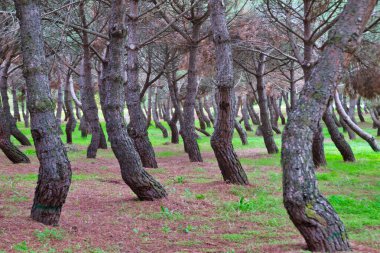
(137, 125)
(55, 171)
(244, 112)
(208, 110)
(202, 122)
(25, 113)
(71, 121)
(155, 117)
(346, 118)
(112, 100)
(221, 140)
(266, 126)
(16, 112)
(59, 101)
(308, 209)
(360, 112)
(318, 150)
(338, 138)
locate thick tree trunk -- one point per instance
(137, 125)
(112, 101)
(310, 212)
(346, 118)
(71, 121)
(16, 112)
(55, 171)
(221, 140)
(338, 138)
(266, 126)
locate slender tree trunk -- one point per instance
(10, 150)
(25, 113)
(244, 112)
(208, 111)
(112, 101)
(308, 209)
(137, 125)
(71, 121)
(149, 110)
(55, 171)
(346, 118)
(278, 109)
(177, 110)
(155, 117)
(360, 112)
(318, 149)
(338, 138)
(254, 116)
(202, 113)
(266, 126)
(89, 107)
(351, 110)
(221, 140)
(59, 101)
(16, 112)
(202, 122)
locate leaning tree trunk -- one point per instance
(89, 107)
(244, 112)
(318, 150)
(266, 126)
(360, 112)
(308, 209)
(10, 150)
(112, 101)
(155, 116)
(202, 113)
(221, 140)
(208, 110)
(137, 125)
(202, 122)
(9, 119)
(338, 138)
(254, 116)
(346, 118)
(71, 121)
(55, 171)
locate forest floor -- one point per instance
(201, 214)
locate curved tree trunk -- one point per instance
(346, 118)
(244, 112)
(112, 101)
(338, 138)
(208, 110)
(254, 116)
(203, 115)
(202, 122)
(308, 209)
(155, 117)
(221, 140)
(266, 126)
(55, 171)
(319, 158)
(137, 125)
(16, 111)
(360, 112)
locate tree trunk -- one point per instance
(202, 113)
(112, 100)
(360, 112)
(71, 122)
(244, 112)
(9, 119)
(25, 113)
(59, 101)
(89, 107)
(137, 125)
(16, 112)
(10, 151)
(149, 110)
(351, 110)
(221, 140)
(208, 111)
(155, 117)
(202, 122)
(266, 126)
(187, 128)
(177, 110)
(338, 138)
(319, 158)
(278, 108)
(254, 117)
(55, 171)
(346, 118)
(310, 212)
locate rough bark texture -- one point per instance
(112, 100)
(310, 212)
(266, 126)
(338, 138)
(254, 116)
(87, 95)
(187, 128)
(137, 126)
(54, 176)
(318, 150)
(221, 140)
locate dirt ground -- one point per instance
(101, 213)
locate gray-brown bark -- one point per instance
(360, 112)
(221, 140)
(112, 97)
(338, 138)
(244, 112)
(55, 171)
(16, 111)
(308, 209)
(25, 113)
(155, 116)
(137, 125)
(71, 121)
